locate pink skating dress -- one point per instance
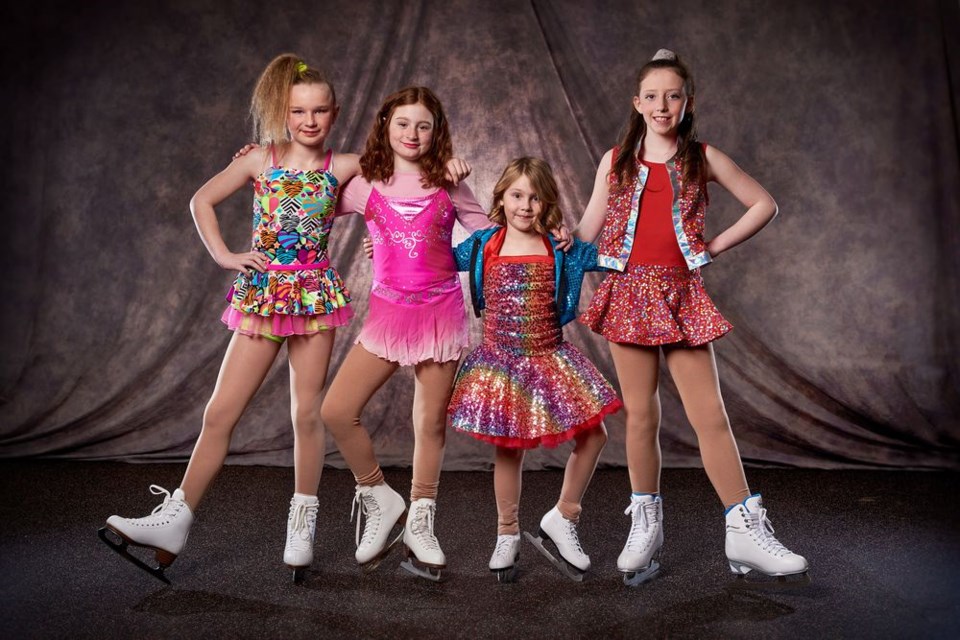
(300, 293)
(416, 301)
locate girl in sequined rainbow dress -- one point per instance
(647, 214)
(524, 386)
(286, 291)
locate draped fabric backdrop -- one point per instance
(845, 351)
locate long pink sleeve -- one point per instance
(353, 196)
(469, 212)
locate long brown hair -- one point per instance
(271, 97)
(376, 163)
(689, 149)
(540, 175)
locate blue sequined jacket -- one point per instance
(569, 268)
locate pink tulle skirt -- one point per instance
(412, 333)
(282, 325)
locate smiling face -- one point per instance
(311, 114)
(662, 101)
(522, 206)
(410, 134)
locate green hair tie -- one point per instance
(301, 67)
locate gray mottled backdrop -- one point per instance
(845, 352)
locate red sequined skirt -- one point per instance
(655, 305)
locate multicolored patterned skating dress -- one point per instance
(300, 293)
(524, 386)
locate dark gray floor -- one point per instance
(883, 546)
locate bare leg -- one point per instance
(507, 478)
(580, 467)
(694, 371)
(434, 384)
(639, 375)
(244, 367)
(359, 377)
(309, 359)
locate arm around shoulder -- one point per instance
(596, 212)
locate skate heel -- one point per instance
(164, 558)
(740, 569)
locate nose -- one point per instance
(663, 103)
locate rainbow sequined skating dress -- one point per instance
(524, 386)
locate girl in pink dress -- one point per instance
(416, 318)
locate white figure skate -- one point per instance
(164, 531)
(750, 545)
(420, 542)
(301, 529)
(640, 559)
(572, 561)
(503, 562)
(382, 509)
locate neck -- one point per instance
(522, 243)
(403, 165)
(299, 156)
(658, 148)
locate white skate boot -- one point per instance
(573, 562)
(164, 531)
(420, 542)
(301, 529)
(382, 508)
(503, 562)
(750, 544)
(640, 559)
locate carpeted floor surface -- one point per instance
(884, 551)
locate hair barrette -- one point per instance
(301, 67)
(664, 54)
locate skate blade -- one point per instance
(428, 573)
(636, 578)
(299, 574)
(506, 576)
(375, 562)
(763, 582)
(565, 568)
(120, 546)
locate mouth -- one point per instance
(661, 119)
(410, 145)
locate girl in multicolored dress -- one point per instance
(416, 318)
(647, 207)
(287, 291)
(524, 386)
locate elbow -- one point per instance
(772, 208)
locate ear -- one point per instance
(636, 103)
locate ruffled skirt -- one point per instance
(435, 329)
(525, 401)
(655, 305)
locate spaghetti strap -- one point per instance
(329, 161)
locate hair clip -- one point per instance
(301, 67)
(664, 54)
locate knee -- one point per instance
(306, 422)
(337, 416)
(219, 418)
(593, 439)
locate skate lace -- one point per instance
(504, 548)
(422, 526)
(762, 529)
(643, 515)
(365, 504)
(168, 504)
(303, 518)
(570, 533)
